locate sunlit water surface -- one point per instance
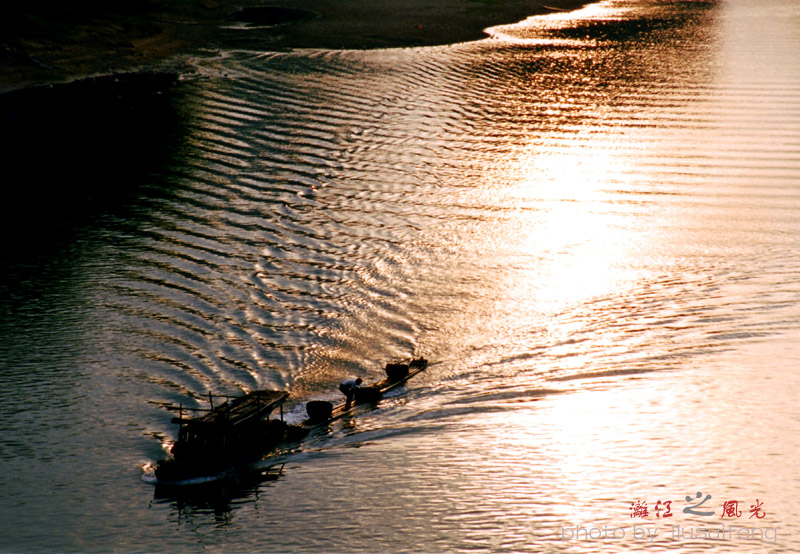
(589, 222)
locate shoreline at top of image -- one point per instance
(47, 43)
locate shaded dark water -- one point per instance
(589, 222)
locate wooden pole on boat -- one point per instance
(211, 400)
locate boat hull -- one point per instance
(246, 445)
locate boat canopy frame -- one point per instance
(253, 406)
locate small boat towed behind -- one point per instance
(321, 412)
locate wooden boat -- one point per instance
(239, 429)
(322, 412)
(235, 430)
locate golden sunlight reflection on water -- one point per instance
(588, 222)
(572, 226)
(538, 29)
(583, 457)
(593, 275)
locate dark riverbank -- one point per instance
(76, 151)
(44, 42)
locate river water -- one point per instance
(589, 223)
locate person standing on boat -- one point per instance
(348, 388)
